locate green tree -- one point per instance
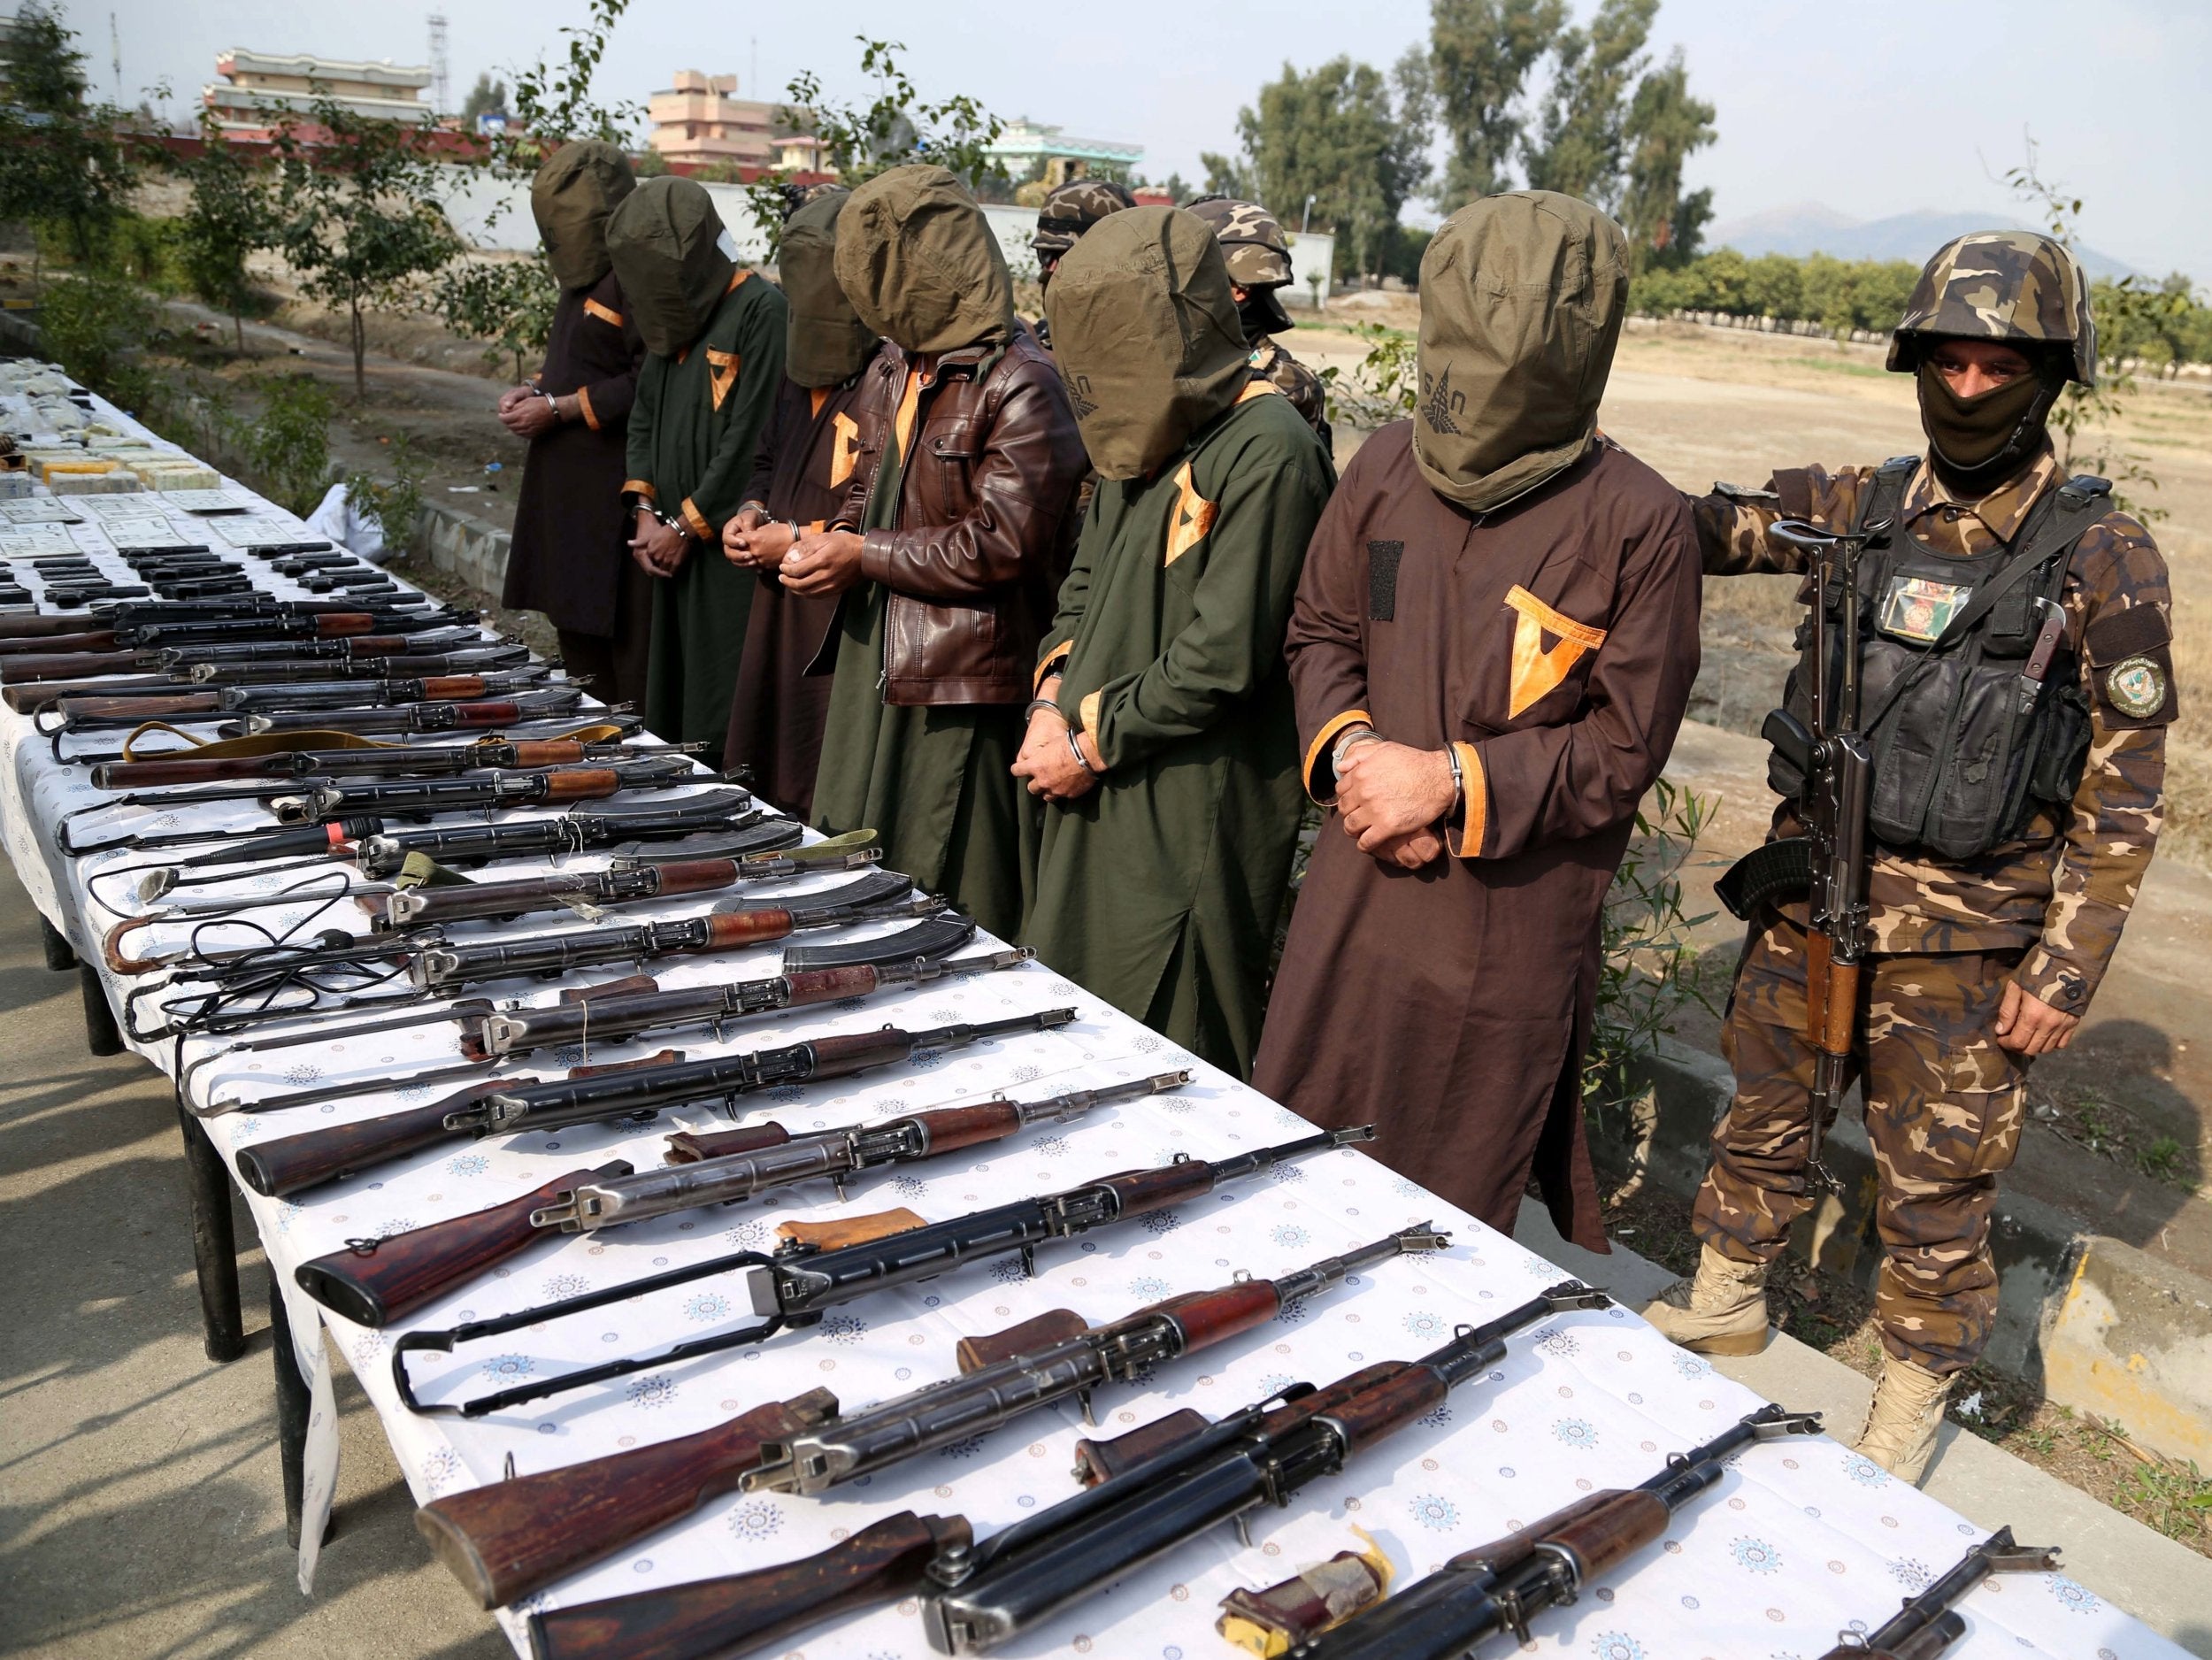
(228, 218)
(1665, 125)
(1338, 135)
(487, 96)
(507, 301)
(553, 100)
(63, 160)
(1225, 175)
(1582, 142)
(1480, 53)
(357, 216)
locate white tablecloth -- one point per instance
(1801, 1539)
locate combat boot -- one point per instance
(1722, 1311)
(1901, 1424)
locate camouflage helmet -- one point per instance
(1071, 209)
(2019, 287)
(1257, 252)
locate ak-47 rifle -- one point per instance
(247, 614)
(280, 769)
(819, 1269)
(375, 1281)
(1187, 1475)
(84, 712)
(1927, 1624)
(1831, 862)
(532, 724)
(273, 659)
(502, 714)
(511, 1105)
(1501, 1587)
(511, 1538)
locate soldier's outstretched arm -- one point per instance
(1733, 520)
(2121, 609)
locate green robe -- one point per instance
(694, 433)
(1160, 889)
(934, 781)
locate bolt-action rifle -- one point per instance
(508, 1538)
(816, 1269)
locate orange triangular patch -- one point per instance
(721, 373)
(1192, 519)
(844, 447)
(1538, 669)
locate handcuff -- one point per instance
(1074, 736)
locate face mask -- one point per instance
(1260, 314)
(1978, 443)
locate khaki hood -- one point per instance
(1522, 297)
(1145, 334)
(919, 262)
(665, 240)
(576, 189)
(825, 342)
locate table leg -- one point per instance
(55, 943)
(214, 1247)
(293, 1398)
(101, 1034)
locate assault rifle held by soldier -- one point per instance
(805, 1279)
(508, 1539)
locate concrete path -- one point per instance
(2165, 1585)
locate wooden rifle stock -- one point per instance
(510, 1538)
(146, 708)
(71, 634)
(375, 1281)
(74, 665)
(848, 1230)
(741, 1612)
(31, 698)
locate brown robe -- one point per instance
(1552, 642)
(570, 556)
(805, 465)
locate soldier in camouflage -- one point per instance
(1259, 265)
(1983, 956)
(1066, 212)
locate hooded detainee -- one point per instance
(714, 339)
(1163, 735)
(1493, 645)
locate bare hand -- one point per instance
(753, 541)
(1410, 852)
(2028, 1026)
(827, 562)
(1385, 792)
(660, 549)
(512, 395)
(1050, 766)
(534, 415)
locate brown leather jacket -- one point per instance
(987, 521)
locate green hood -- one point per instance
(919, 262)
(666, 244)
(825, 342)
(575, 190)
(1521, 303)
(1146, 336)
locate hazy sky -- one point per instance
(1869, 106)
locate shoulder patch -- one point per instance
(606, 314)
(2132, 666)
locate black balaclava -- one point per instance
(1977, 444)
(1261, 313)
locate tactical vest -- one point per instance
(1966, 750)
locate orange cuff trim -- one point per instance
(639, 486)
(583, 402)
(693, 518)
(1328, 734)
(1475, 814)
(1053, 659)
(604, 313)
(1086, 717)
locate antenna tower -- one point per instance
(440, 89)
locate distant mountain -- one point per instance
(1806, 227)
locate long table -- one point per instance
(1801, 1539)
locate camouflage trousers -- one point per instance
(1943, 1111)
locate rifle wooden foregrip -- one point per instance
(1842, 1009)
(1141, 1191)
(1097, 1461)
(446, 689)
(691, 1146)
(693, 876)
(950, 1129)
(30, 698)
(1601, 1530)
(1211, 1316)
(534, 752)
(61, 633)
(508, 1539)
(858, 1051)
(728, 930)
(829, 984)
(849, 1230)
(143, 708)
(1390, 1403)
(741, 1612)
(388, 1279)
(503, 713)
(342, 625)
(293, 1164)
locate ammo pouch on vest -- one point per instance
(1966, 750)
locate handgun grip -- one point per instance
(1053, 1327)
(390, 1277)
(692, 1147)
(740, 1612)
(507, 1539)
(293, 1164)
(849, 1230)
(728, 930)
(583, 783)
